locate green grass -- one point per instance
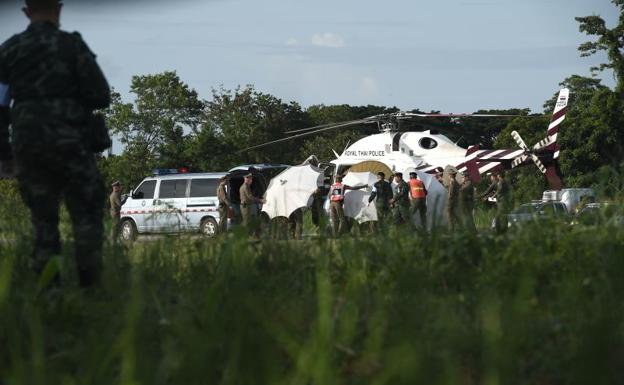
(541, 305)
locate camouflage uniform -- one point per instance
(401, 203)
(55, 84)
(466, 205)
(452, 205)
(504, 203)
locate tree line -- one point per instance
(168, 125)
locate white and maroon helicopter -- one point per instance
(429, 151)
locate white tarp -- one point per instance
(292, 189)
(356, 201)
(436, 198)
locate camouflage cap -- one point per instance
(250, 175)
(116, 183)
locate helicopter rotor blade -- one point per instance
(371, 118)
(341, 125)
(408, 115)
(308, 128)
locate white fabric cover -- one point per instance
(356, 201)
(291, 189)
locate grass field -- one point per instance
(542, 305)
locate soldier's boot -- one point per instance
(47, 240)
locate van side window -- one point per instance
(145, 190)
(172, 188)
(204, 187)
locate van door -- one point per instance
(139, 206)
(170, 207)
(202, 200)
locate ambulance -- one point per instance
(172, 202)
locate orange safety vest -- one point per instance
(417, 189)
(337, 192)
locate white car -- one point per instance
(172, 203)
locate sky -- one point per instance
(448, 55)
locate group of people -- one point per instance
(396, 204)
(399, 203)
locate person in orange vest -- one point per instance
(336, 203)
(418, 199)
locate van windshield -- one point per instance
(145, 190)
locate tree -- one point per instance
(243, 118)
(155, 127)
(324, 143)
(609, 40)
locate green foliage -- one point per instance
(245, 117)
(154, 128)
(540, 305)
(609, 40)
(591, 137)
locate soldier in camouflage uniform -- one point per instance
(400, 201)
(466, 204)
(381, 194)
(452, 203)
(504, 202)
(55, 84)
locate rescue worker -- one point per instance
(336, 204)
(224, 204)
(466, 203)
(115, 209)
(418, 199)
(381, 194)
(400, 200)
(55, 84)
(249, 206)
(504, 202)
(452, 202)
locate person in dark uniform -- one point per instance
(224, 204)
(452, 203)
(317, 211)
(466, 204)
(55, 84)
(400, 200)
(115, 209)
(381, 194)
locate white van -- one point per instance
(570, 197)
(172, 203)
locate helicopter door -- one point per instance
(395, 141)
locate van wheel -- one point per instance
(128, 231)
(208, 227)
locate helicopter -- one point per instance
(431, 151)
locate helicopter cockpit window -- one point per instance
(428, 143)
